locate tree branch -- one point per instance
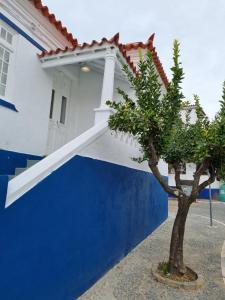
(210, 180)
(163, 183)
(200, 170)
(153, 165)
(177, 170)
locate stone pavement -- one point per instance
(131, 279)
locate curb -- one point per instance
(223, 261)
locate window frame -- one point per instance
(63, 109)
(7, 34)
(4, 63)
(9, 47)
(52, 104)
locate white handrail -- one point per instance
(29, 178)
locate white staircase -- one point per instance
(35, 171)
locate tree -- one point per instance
(155, 120)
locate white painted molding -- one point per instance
(111, 53)
(86, 54)
(22, 183)
(39, 26)
(70, 57)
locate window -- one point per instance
(6, 35)
(52, 104)
(63, 110)
(6, 49)
(4, 67)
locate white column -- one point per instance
(102, 113)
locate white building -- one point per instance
(189, 168)
(70, 217)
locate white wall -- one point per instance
(29, 88)
(88, 98)
(119, 149)
(28, 85)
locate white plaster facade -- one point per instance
(30, 83)
(51, 107)
(29, 87)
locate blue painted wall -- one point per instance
(10, 160)
(3, 190)
(205, 194)
(65, 233)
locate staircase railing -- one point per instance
(32, 176)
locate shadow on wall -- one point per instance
(64, 234)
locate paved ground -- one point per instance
(131, 279)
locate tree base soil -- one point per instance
(189, 281)
(189, 275)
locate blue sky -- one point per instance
(198, 24)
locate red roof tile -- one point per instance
(52, 19)
(124, 48)
(149, 46)
(114, 40)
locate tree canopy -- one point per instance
(154, 118)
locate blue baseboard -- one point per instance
(10, 160)
(205, 194)
(60, 237)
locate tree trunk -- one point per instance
(176, 262)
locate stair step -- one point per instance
(11, 177)
(31, 162)
(19, 171)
